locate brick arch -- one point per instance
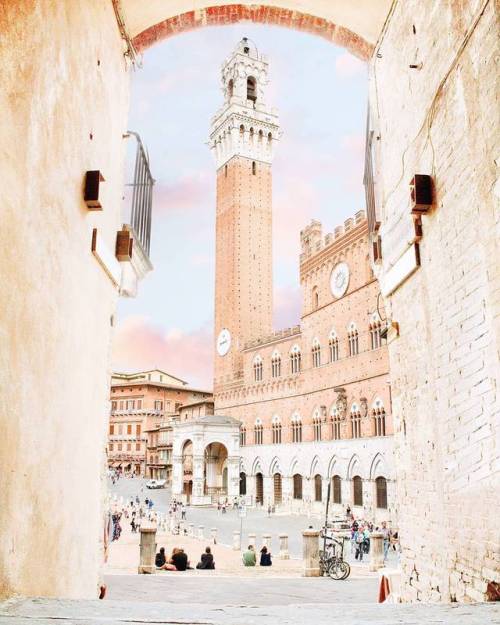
(259, 14)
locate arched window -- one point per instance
(333, 345)
(315, 298)
(251, 89)
(225, 171)
(230, 88)
(242, 129)
(276, 427)
(297, 486)
(318, 488)
(378, 415)
(254, 168)
(335, 420)
(296, 429)
(258, 369)
(295, 359)
(337, 489)
(355, 421)
(375, 330)
(243, 436)
(276, 364)
(317, 425)
(243, 483)
(357, 490)
(316, 353)
(258, 432)
(353, 340)
(381, 484)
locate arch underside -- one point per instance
(258, 14)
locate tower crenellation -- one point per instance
(245, 125)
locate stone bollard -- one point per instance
(213, 535)
(266, 540)
(376, 551)
(311, 553)
(191, 529)
(284, 554)
(200, 532)
(147, 549)
(236, 540)
(251, 540)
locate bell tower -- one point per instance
(242, 137)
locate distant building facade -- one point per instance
(144, 403)
(313, 401)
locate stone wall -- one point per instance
(64, 108)
(440, 119)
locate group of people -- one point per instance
(361, 534)
(250, 557)
(179, 560)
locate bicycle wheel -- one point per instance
(347, 569)
(334, 570)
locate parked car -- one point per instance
(156, 483)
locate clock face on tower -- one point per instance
(223, 342)
(339, 280)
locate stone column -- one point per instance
(268, 492)
(266, 540)
(233, 476)
(310, 553)
(284, 553)
(200, 532)
(177, 485)
(236, 540)
(191, 529)
(198, 490)
(213, 535)
(147, 549)
(376, 551)
(251, 539)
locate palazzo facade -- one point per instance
(309, 405)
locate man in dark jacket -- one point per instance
(207, 560)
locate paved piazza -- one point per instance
(256, 521)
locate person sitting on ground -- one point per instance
(249, 557)
(265, 557)
(207, 560)
(160, 559)
(179, 559)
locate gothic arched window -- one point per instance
(276, 364)
(333, 344)
(296, 429)
(258, 433)
(258, 369)
(276, 427)
(254, 168)
(357, 487)
(381, 485)
(230, 88)
(295, 359)
(316, 353)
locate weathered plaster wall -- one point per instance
(63, 103)
(442, 120)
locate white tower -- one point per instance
(242, 136)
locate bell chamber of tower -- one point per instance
(242, 137)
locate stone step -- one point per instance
(107, 612)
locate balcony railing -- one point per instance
(142, 197)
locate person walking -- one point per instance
(358, 541)
(386, 533)
(183, 512)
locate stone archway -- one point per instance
(355, 26)
(215, 455)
